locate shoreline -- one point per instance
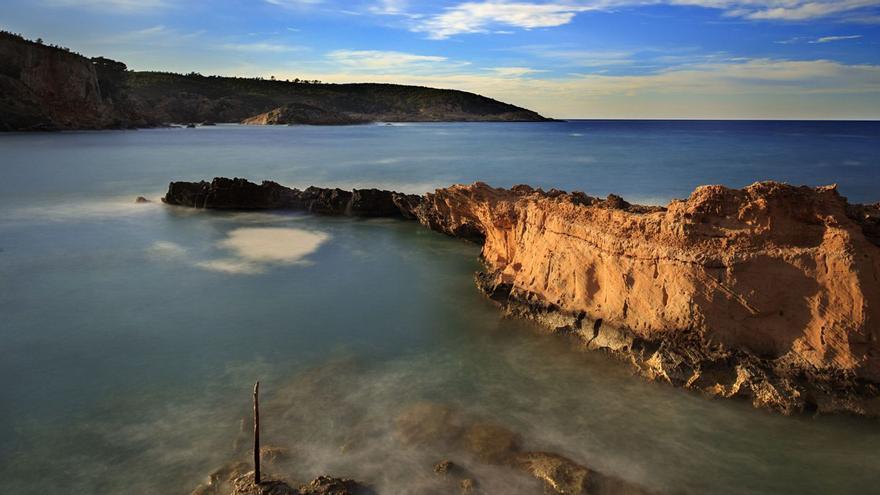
(723, 358)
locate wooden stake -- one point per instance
(257, 433)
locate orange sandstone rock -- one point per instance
(771, 292)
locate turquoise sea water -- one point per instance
(131, 334)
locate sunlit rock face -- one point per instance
(769, 292)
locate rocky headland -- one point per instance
(769, 293)
(45, 87)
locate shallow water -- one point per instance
(131, 334)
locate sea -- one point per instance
(131, 335)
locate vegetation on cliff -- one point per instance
(50, 87)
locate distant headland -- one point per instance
(46, 87)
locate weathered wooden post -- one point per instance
(257, 433)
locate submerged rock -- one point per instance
(324, 485)
(560, 475)
(441, 428)
(141, 199)
(445, 467)
(232, 480)
(490, 443)
(467, 485)
(244, 485)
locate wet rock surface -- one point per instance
(769, 293)
(468, 444)
(445, 429)
(231, 480)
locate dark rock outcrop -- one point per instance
(241, 194)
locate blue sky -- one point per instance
(563, 58)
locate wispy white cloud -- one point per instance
(515, 71)
(388, 61)
(789, 10)
(478, 17)
(113, 5)
(482, 16)
(813, 41)
(570, 56)
(830, 39)
(153, 36)
(262, 47)
(295, 3)
(393, 7)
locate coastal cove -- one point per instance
(134, 331)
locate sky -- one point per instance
(772, 59)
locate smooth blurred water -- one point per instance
(131, 334)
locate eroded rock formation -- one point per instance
(769, 293)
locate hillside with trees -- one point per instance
(49, 87)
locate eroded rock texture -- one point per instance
(770, 292)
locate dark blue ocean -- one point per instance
(130, 334)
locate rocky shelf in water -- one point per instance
(465, 447)
(769, 293)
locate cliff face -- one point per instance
(43, 87)
(769, 293)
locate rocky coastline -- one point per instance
(50, 88)
(769, 293)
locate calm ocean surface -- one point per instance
(130, 334)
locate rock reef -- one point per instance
(769, 293)
(484, 451)
(241, 194)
